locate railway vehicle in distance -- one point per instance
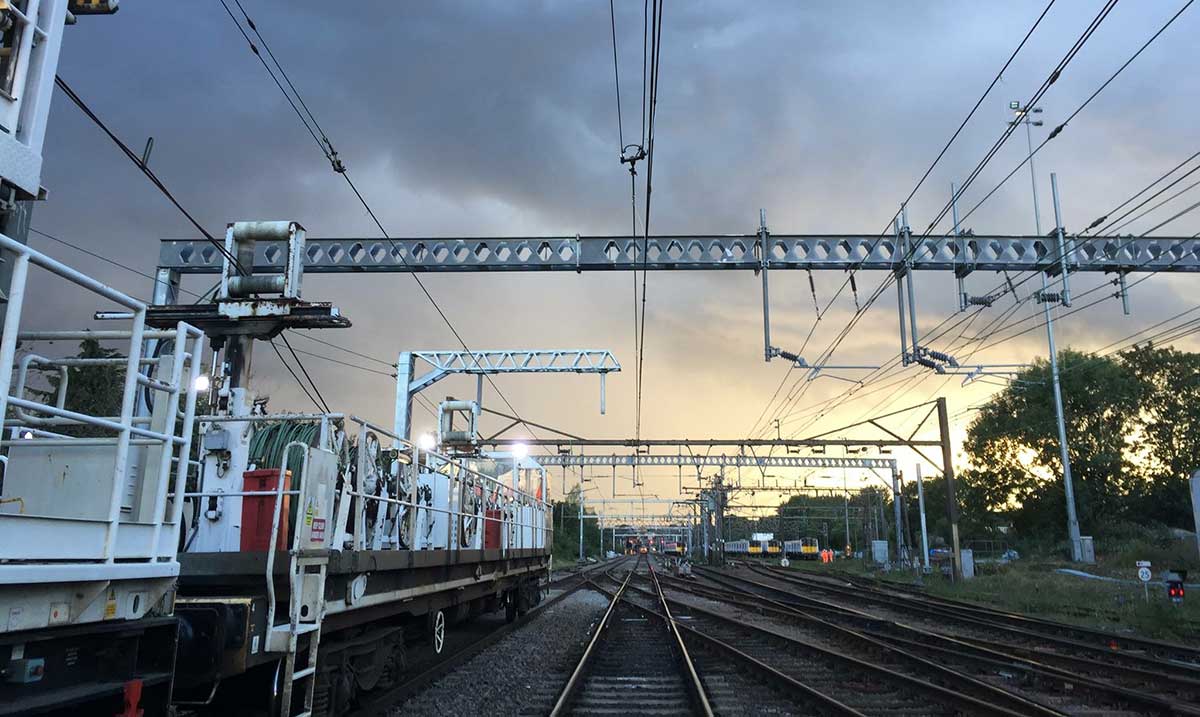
(764, 544)
(737, 547)
(804, 548)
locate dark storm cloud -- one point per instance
(499, 119)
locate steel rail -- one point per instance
(698, 694)
(386, 701)
(991, 657)
(573, 684)
(1184, 652)
(1069, 668)
(999, 620)
(798, 690)
(914, 684)
(581, 575)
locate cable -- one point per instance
(78, 101)
(291, 371)
(1046, 84)
(655, 55)
(1127, 222)
(322, 141)
(1145, 189)
(322, 357)
(912, 193)
(389, 364)
(612, 16)
(339, 168)
(1058, 130)
(343, 363)
(107, 260)
(137, 161)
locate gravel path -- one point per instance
(523, 672)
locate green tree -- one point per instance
(91, 390)
(566, 530)
(1167, 437)
(1013, 446)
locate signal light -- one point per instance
(1175, 591)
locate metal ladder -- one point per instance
(306, 603)
(307, 588)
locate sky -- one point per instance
(500, 119)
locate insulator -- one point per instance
(943, 357)
(927, 363)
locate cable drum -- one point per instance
(472, 506)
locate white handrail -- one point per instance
(273, 546)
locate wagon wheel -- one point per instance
(439, 631)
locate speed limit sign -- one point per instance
(1144, 574)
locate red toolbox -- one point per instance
(259, 510)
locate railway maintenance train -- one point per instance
(166, 539)
(281, 561)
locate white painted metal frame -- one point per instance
(481, 363)
(64, 548)
(24, 112)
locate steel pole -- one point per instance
(846, 497)
(766, 297)
(962, 250)
(901, 550)
(581, 513)
(1072, 518)
(1068, 483)
(948, 475)
(912, 300)
(921, 510)
(1037, 212)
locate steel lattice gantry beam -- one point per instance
(484, 363)
(702, 252)
(734, 461)
(443, 363)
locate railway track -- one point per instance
(818, 678)
(753, 643)
(1136, 659)
(577, 576)
(632, 667)
(1051, 672)
(879, 593)
(476, 641)
(734, 682)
